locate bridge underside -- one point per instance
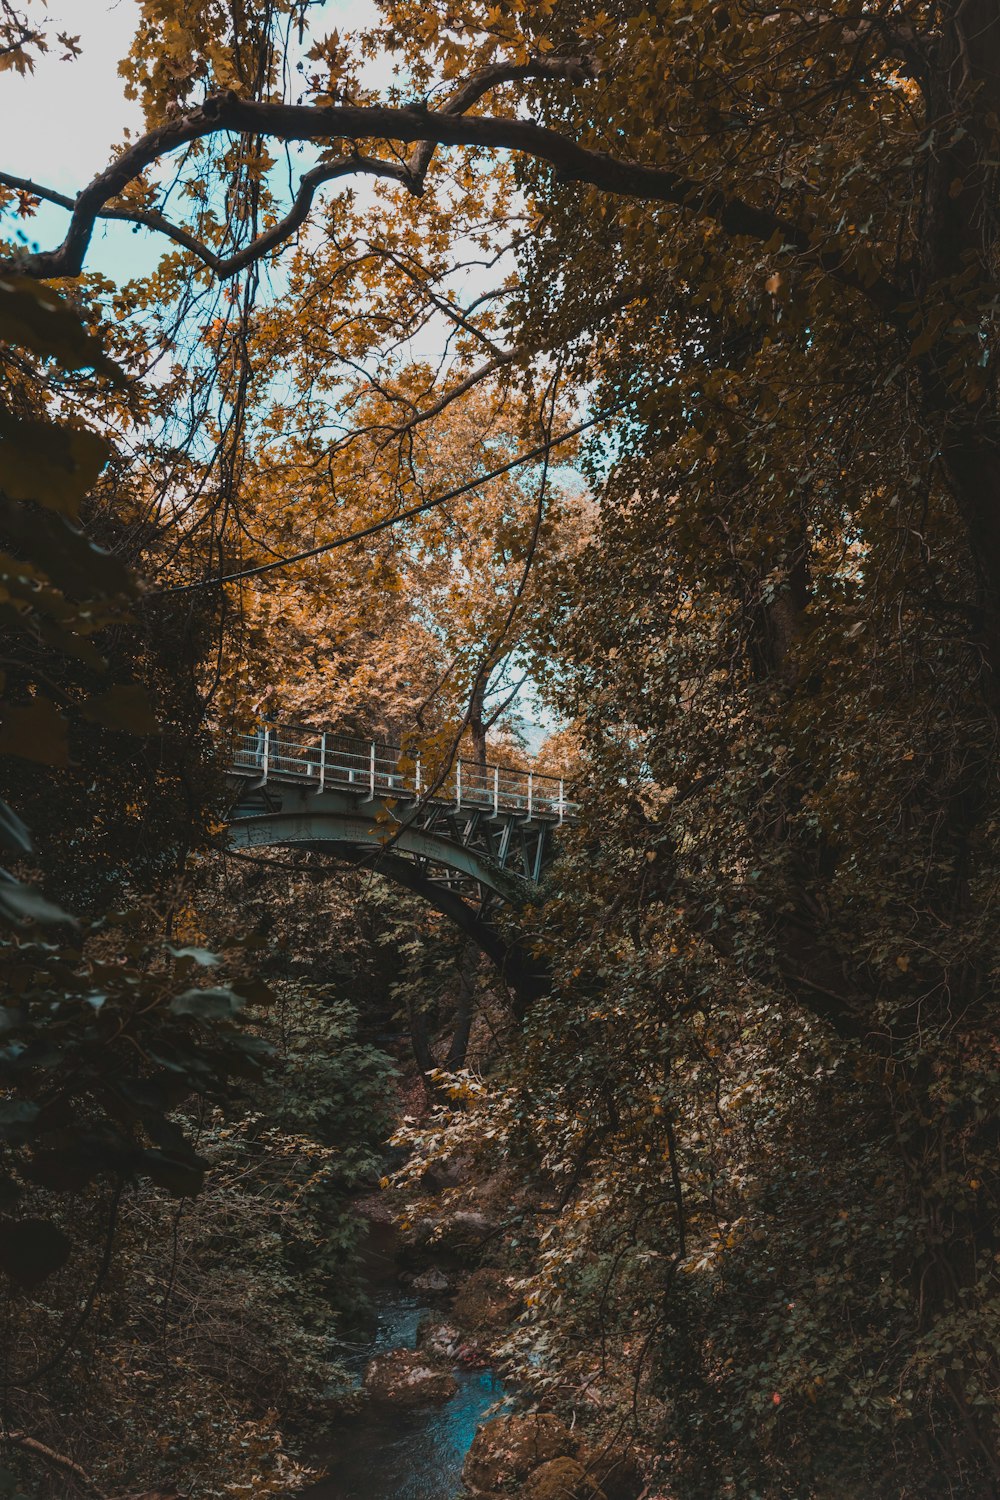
(466, 862)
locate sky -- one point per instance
(60, 123)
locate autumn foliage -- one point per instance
(641, 358)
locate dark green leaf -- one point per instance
(14, 834)
(16, 1115)
(200, 956)
(31, 1250)
(123, 707)
(22, 903)
(207, 1005)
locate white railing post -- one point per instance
(458, 783)
(322, 761)
(560, 799)
(531, 788)
(496, 790)
(371, 770)
(265, 759)
(418, 775)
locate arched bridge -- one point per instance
(469, 840)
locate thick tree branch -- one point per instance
(327, 123)
(226, 266)
(566, 69)
(54, 1460)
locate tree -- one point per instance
(766, 240)
(907, 250)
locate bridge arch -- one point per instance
(469, 849)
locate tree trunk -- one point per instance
(466, 1008)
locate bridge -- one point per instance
(471, 838)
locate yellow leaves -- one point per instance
(902, 963)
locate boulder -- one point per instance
(406, 1377)
(617, 1472)
(459, 1233)
(433, 1280)
(561, 1479)
(470, 1225)
(444, 1173)
(439, 1340)
(486, 1301)
(509, 1448)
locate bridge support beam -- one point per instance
(525, 974)
(459, 860)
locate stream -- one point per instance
(382, 1452)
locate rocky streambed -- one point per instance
(430, 1418)
(410, 1438)
(424, 1385)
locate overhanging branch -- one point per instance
(324, 124)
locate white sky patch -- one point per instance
(60, 123)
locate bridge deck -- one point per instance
(378, 769)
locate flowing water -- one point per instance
(383, 1453)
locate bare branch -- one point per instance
(541, 451)
(54, 1460)
(482, 372)
(459, 316)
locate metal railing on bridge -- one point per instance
(378, 769)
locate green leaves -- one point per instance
(10, 1488)
(21, 903)
(14, 835)
(200, 956)
(207, 1005)
(35, 317)
(124, 707)
(15, 1116)
(95, 1055)
(31, 1250)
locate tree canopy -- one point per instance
(645, 353)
